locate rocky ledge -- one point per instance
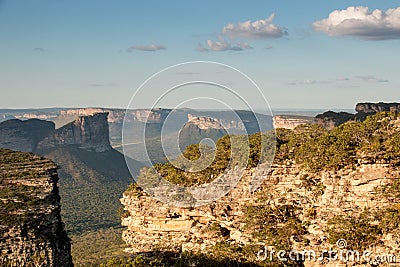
(312, 200)
(31, 230)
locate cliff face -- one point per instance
(23, 135)
(117, 115)
(210, 123)
(31, 230)
(314, 198)
(377, 107)
(291, 122)
(88, 132)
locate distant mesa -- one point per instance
(117, 115)
(291, 121)
(24, 135)
(377, 107)
(87, 132)
(205, 123)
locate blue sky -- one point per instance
(92, 53)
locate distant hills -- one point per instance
(153, 121)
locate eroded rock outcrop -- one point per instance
(315, 199)
(31, 230)
(87, 132)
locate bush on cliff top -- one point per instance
(310, 145)
(229, 151)
(375, 138)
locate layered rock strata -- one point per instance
(87, 132)
(152, 225)
(31, 230)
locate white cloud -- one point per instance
(372, 79)
(223, 45)
(258, 29)
(362, 23)
(220, 45)
(149, 47)
(342, 78)
(309, 81)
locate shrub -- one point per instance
(359, 231)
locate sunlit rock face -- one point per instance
(88, 132)
(317, 198)
(377, 107)
(291, 122)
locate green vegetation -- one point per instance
(317, 149)
(274, 225)
(223, 254)
(229, 151)
(19, 201)
(88, 208)
(193, 152)
(358, 231)
(364, 230)
(91, 185)
(310, 145)
(95, 247)
(313, 184)
(389, 217)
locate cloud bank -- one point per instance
(149, 47)
(362, 23)
(258, 29)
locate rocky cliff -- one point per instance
(291, 121)
(311, 200)
(155, 115)
(31, 230)
(211, 123)
(24, 135)
(335, 191)
(87, 132)
(377, 107)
